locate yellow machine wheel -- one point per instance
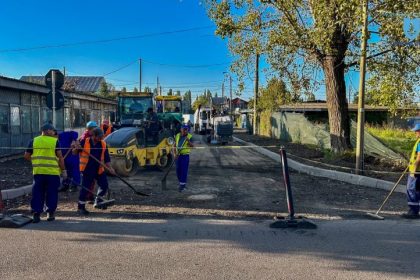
(165, 161)
(125, 167)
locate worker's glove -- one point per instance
(64, 174)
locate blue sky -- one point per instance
(37, 23)
(28, 23)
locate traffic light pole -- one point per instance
(53, 99)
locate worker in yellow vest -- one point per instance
(413, 182)
(47, 162)
(182, 155)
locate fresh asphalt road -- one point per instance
(209, 249)
(171, 236)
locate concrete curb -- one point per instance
(325, 173)
(14, 193)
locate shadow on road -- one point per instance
(383, 246)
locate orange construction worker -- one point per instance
(107, 128)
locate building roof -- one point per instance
(219, 101)
(238, 100)
(82, 83)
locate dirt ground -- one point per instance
(233, 183)
(15, 173)
(316, 157)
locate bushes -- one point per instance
(399, 140)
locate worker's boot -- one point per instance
(36, 218)
(50, 216)
(411, 215)
(81, 210)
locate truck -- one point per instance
(202, 117)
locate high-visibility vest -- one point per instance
(84, 156)
(413, 158)
(108, 131)
(44, 159)
(184, 150)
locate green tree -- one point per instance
(135, 89)
(200, 100)
(298, 38)
(124, 89)
(170, 92)
(103, 89)
(178, 93)
(273, 96)
(188, 96)
(147, 89)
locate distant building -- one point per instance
(23, 110)
(78, 84)
(239, 103)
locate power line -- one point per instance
(187, 66)
(119, 69)
(64, 45)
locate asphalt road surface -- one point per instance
(209, 249)
(219, 230)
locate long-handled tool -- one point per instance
(375, 215)
(119, 177)
(163, 181)
(104, 202)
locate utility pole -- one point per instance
(361, 103)
(256, 85)
(53, 98)
(223, 89)
(140, 75)
(230, 100)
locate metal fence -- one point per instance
(22, 112)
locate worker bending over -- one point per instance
(94, 158)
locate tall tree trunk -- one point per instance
(336, 102)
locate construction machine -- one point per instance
(135, 143)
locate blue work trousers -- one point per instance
(73, 171)
(45, 191)
(88, 180)
(413, 194)
(182, 170)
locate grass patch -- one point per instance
(399, 140)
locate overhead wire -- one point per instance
(64, 45)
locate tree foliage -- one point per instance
(202, 100)
(302, 38)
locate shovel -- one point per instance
(119, 177)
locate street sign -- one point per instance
(59, 100)
(59, 79)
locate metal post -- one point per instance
(361, 103)
(289, 196)
(230, 100)
(53, 98)
(223, 89)
(290, 220)
(140, 75)
(257, 62)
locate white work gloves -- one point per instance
(64, 174)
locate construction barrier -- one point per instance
(290, 221)
(15, 220)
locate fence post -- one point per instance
(290, 220)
